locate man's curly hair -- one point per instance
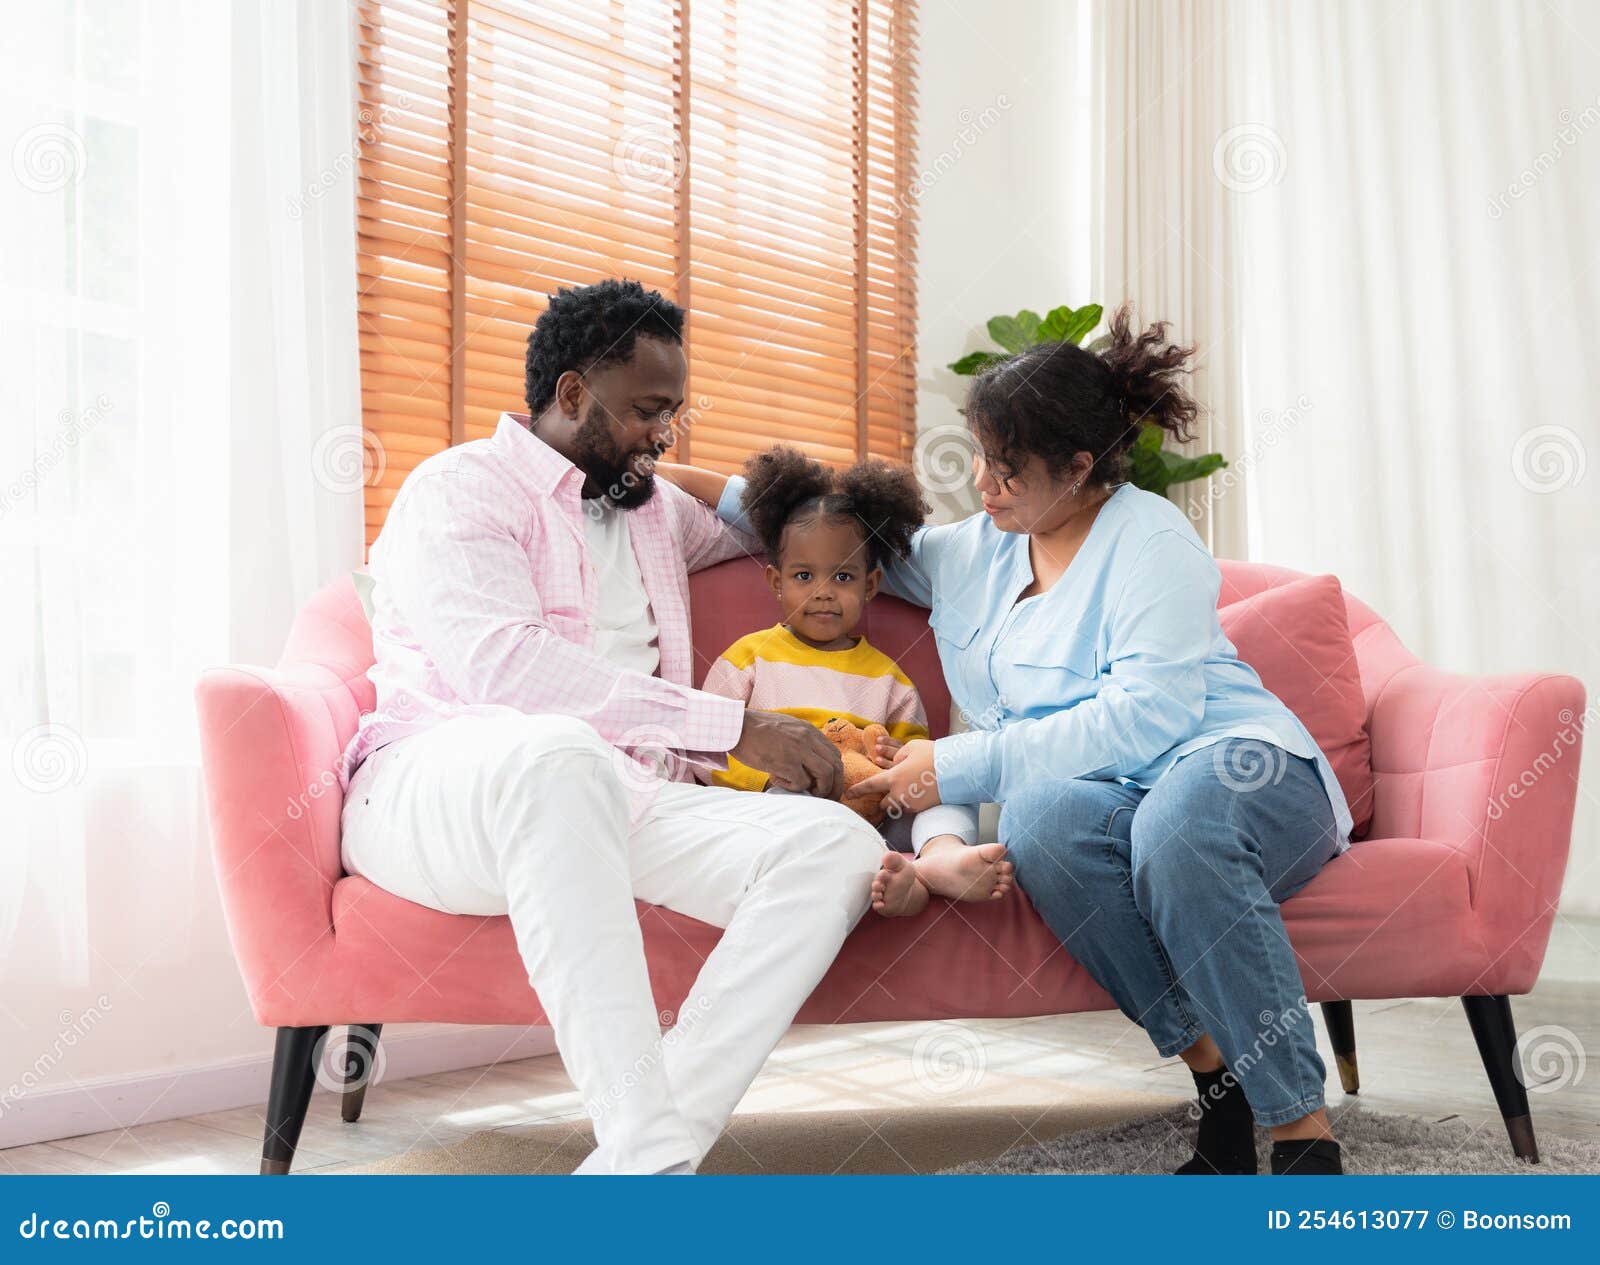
(593, 325)
(783, 486)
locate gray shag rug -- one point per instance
(1372, 1143)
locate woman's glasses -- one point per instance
(985, 467)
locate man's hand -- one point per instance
(791, 752)
(910, 784)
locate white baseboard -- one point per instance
(122, 1102)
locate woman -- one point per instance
(1157, 801)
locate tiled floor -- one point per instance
(1417, 1057)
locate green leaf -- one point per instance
(1151, 478)
(1055, 324)
(976, 362)
(1069, 324)
(1181, 469)
(1100, 344)
(1146, 467)
(1150, 437)
(1082, 322)
(1010, 333)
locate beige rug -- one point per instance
(913, 1139)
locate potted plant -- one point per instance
(1150, 465)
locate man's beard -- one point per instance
(607, 466)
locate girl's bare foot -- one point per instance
(960, 872)
(896, 891)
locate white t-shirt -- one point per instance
(624, 625)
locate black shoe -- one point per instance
(1307, 1157)
(1226, 1145)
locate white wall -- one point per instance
(1003, 163)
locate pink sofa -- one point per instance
(1452, 894)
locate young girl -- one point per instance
(826, 535)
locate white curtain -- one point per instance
(1382, 223)
(1163, 230)
(1421, 286)
(178, 294)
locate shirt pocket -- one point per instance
(955, 637)
(1044, 672)
(951, 629)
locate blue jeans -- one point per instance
(1169, 898)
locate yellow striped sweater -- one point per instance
(773, 670)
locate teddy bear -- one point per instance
(855, 744)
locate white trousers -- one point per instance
(528, 816)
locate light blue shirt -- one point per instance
(1115, 672)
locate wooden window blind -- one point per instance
(748, 158)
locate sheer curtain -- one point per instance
(1421, 284)
(1426, 279)
(1164, 80)
(179, 355)
(1380, 222)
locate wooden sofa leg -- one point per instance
(1341, 1020)
(359, 1061)
(1496, 1035)
(293, 1072)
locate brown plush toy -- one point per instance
(854, 744)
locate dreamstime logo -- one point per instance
(943, 458)
(617, 492)
(369, 131)
(48, 157)
(1548, 458)
(1249, 158)
(919, 789)
(346, 458)
(1553, 1053)
(648, 755)
(1566, 739)
(648, 158)
(1248, 765)
(1571, 128)
(989, 718)
(680, 1026)
(49, 758)
(70, 428)
(949, 1059)
(344, 1063)
(972, 127)
(403, 705)
(1273, 1028)
(1270, 428)
(73, 1027)
(327, 783)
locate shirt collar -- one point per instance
(535, 462)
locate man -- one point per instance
(531, 629)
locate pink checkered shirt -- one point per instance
(485, 598)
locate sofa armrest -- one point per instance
(1489, 765)
(269, 747)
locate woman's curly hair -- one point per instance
(1056, 400)
(784, 486)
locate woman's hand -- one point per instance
(909, 784)
(703, 485)
(887, 750)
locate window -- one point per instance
(749, 160)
